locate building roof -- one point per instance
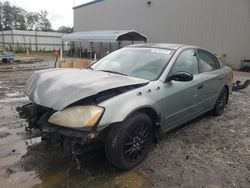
(86, 4)
(105, 36)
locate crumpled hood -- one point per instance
(58, 88)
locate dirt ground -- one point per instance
(208, 152)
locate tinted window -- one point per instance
(186, 62)
(207, 61)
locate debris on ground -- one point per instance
(8, 172)
(238, 86)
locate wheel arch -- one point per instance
(148, 110)
(228, 91)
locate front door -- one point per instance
(180, 100)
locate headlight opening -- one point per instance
(77, 116)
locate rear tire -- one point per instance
(127, 144)
(220, 103)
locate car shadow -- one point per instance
(162, 136)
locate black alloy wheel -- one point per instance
(128, 143)
(137, 140)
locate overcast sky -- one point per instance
(60, 11)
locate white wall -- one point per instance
(34, 40)
(222, 26)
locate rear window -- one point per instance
(208, 62)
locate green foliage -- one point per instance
(64, 29)
(16, 18)
(43, 22)
(13, 17)
(32, 19)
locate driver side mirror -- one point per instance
(180, 77)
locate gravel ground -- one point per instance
(207, 152)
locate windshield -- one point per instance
(146, 63)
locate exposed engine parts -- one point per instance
(73, 142)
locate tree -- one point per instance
(64, 29)
(1, 13)
(7, 16)
(43, 22)
(32, 19)
(13, 17)
(19, 18)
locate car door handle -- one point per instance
(220, 78)
(200, 87)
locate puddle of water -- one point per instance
(26, 178)
(34, 164)
(94, 174)
(12, 151)
(14, 99)
(12, 94)
(10, 184)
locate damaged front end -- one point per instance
(80, 116)
(33, 114)
(65, 105)
(74, 141)
(73, 128)
(41, 118)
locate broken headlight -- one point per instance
(77, 116)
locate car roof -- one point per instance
(159, 45)
(167, 46)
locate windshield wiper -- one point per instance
(114, 72)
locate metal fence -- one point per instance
(19, 41)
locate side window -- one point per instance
(187, 62)
(207, 61)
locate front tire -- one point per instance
(128, 143)
(221, 102)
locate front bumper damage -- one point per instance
(37, 117)
(72, 141)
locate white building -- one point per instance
(222, 26)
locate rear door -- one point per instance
(212, 79)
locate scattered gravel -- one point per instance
(207, 152)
